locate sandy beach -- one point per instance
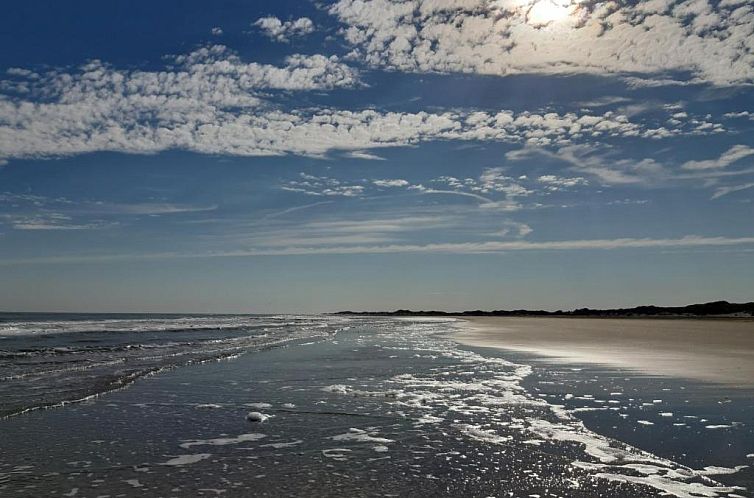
(717, 351)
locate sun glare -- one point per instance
(545, 12)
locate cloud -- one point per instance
(357, 230)
(598, 162)
(721, 191)
(727, 158)
(217, 31)
(295, 209)
(211, 101)
(142, 208)
(515, 229)
(35, 212)
(322, 186)
(50, 221)
(391, 183)
(711, 42)
(555, 183)
(486, 202)
(603, 101)
(360, 154)
(97, 111)
(490, 247)
(283, 31)
(740, 114)
(493, 189)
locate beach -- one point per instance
(368, 406)
(714, 350)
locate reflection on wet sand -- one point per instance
(718, 351)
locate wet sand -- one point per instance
(717, 351)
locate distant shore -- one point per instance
(720, 351)
(716, 309)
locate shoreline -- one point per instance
(472, 316)
(722, 354)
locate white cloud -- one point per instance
(360, 154)
(721, 191)
(555, 182)
(443, 248)
(50, 221)
(391, 183)
(727, 158)
(36, 212)
(601, 163)
(514, 228)
(740, 114)
(142, 208)
(210, 101)
(283, 31)
(322, 186)
(98, 113)
(217, 31)
(603, 101)
(713, 42)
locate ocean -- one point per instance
(241, 405)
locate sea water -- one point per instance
(377, 406)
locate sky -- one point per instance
(268, 157)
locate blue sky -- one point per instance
(374, 154)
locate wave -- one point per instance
(187, 323)
(45, 363)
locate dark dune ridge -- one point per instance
(711, 309)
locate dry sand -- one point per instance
(718, 351)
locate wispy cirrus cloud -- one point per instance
(490, 247)
(37, 212)
(360, 154)
(721, 191)
(730, 156)
(603, 164)
(52, 221)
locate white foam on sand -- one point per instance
(713, 471)
(257, 417)
(671, 486)
(279, 446)
(344, 389)
(187, 459)
(243, 438)
(339, 454)
(479, 434)
(361, 436)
